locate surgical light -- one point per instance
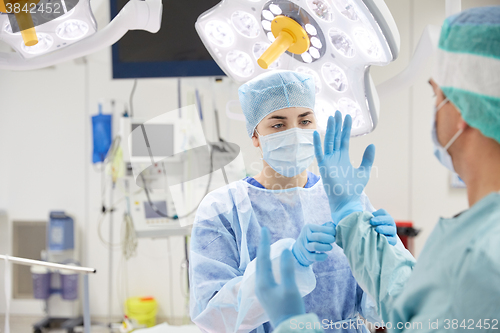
(259, 48)
(245, 24)
(275, 9)
(20, 12)
(240, 63)
(317, 79)
(220, 33)
(322, 111)
(316, 42)
(322, 9)
(266, 25)
(342, 42)
(45, 42)
(268, 15)
(366, 42)
(271, 37)
(346, 7)
(66, 29)
(335, 41)
(348, 106)
(334, 76)
(52, 21)
(306, 57)
(72, 29)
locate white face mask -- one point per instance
(441, 152)
(290, 152)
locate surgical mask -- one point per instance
(441, 152)
(290, 152)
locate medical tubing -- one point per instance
(170, 279)
(129, 237)
(157, 211)
(131, 99)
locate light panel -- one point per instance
(68, 22)
(346, 38)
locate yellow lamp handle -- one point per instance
(27, 27)
(290, 36)
(277, 48)
(23, 18)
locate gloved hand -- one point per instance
(385, 225)
(280, 301)
(343, 183)
(312, 242)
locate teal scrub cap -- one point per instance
(468, 67)
(273, 91)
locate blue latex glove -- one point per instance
(385, 225)
(343, 183)
(280, 301)
(312, 242)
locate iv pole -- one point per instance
(80, 270)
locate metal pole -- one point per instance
(30, 262)
(81, 270)
(110, 255)
(86, 304)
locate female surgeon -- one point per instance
(455, 284)
(291, 202)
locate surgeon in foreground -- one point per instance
(291, 203)
(455, 285)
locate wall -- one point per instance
(45, 146)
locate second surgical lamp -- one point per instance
(335, 41)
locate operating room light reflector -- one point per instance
(240, 63)
(334, 77)
(220, 33)
(346, 7)
(367, 42)
(72, 29)
(321, 9)
(348, 106)
(245, 24)
(45, 41)
(342, 42)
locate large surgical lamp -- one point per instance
(336, 41)
(72, 33)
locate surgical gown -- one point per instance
(224, 243)
(454, 286)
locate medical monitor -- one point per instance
(175, 50)
(160, 138)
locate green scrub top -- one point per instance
(454, 286)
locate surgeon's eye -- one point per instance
(305, 122)
(278, 126)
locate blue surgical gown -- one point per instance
(225, 236)
(454, 286)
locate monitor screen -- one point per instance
(175, 50)
(159, 138)
(150, 213)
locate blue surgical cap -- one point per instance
(468, 67)
(274, 91)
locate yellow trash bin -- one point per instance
(142, 309)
